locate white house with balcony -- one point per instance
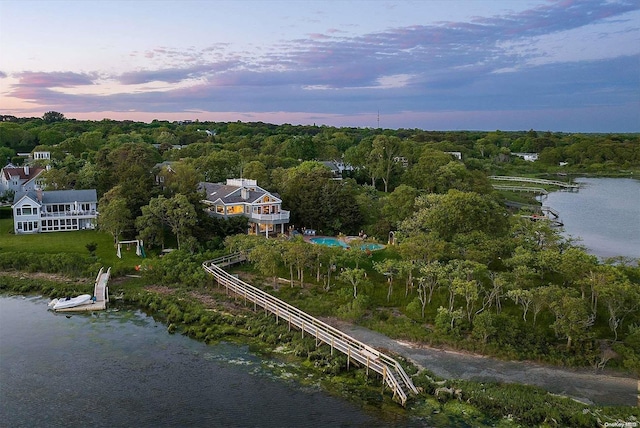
(38, 211)
(243, 197)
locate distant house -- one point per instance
(336, 171)
(20, 179)
(41, 155)
(243, 197)
(529, 157)
(161, 171)
(457, 155)
(37, 211)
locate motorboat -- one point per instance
(71, 302)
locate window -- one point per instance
(18, 211)
(19, 225)
(235, 209)
(26, 210)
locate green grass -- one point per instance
(68, 242)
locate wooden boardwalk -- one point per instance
(392, 373)
(100, 291)
(568, 186)
(538, 190)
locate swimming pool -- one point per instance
(335, 242)
(329, 242)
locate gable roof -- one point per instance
(19, 196)
(229, 194)
(12, 171)
(59, 196)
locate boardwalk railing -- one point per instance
(539, 190)
(536, 181)
(392, 372)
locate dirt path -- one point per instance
(581, 384)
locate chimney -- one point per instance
(26, 170)
(39, 194)
(244, 193)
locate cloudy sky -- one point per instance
(472, 64)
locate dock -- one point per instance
(566, 186)
(100, 292)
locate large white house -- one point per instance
(243, 197)
(19, 178)
(52, 211)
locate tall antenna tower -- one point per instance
(378, 118)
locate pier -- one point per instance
(393, 374)
(561, 184)
(543, 212)
(100, 293)
(538, 190)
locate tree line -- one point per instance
(463, 268)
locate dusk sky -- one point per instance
(569, 66)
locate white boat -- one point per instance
(72, 302)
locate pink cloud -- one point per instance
(54, 79)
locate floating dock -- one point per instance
(100, 292)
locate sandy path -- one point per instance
(582, 384)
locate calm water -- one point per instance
(122, 369)
(605, 214)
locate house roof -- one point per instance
(60, 196)
(331, 165)
(229, 194)
(12, 171)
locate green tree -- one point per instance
(381, 158)
(399, 204)
(572, 317)
(621, 298)
(180, 216)
(115, 216)
(266, 258)
(53, 116)
(298, 254)
(353, 276)
(484, 326)
(87, 176)
(428, 281)
(390, 269)
(150, 224)
(457, 212)
(523, 298)
(575, 264)
(256, 170)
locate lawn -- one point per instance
(67, 242)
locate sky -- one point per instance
(551, 65)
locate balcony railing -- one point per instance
(282, 216)
(72, 213)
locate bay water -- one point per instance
(604, 215)
(123, 369)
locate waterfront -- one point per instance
(122, 368)
(604, 214)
